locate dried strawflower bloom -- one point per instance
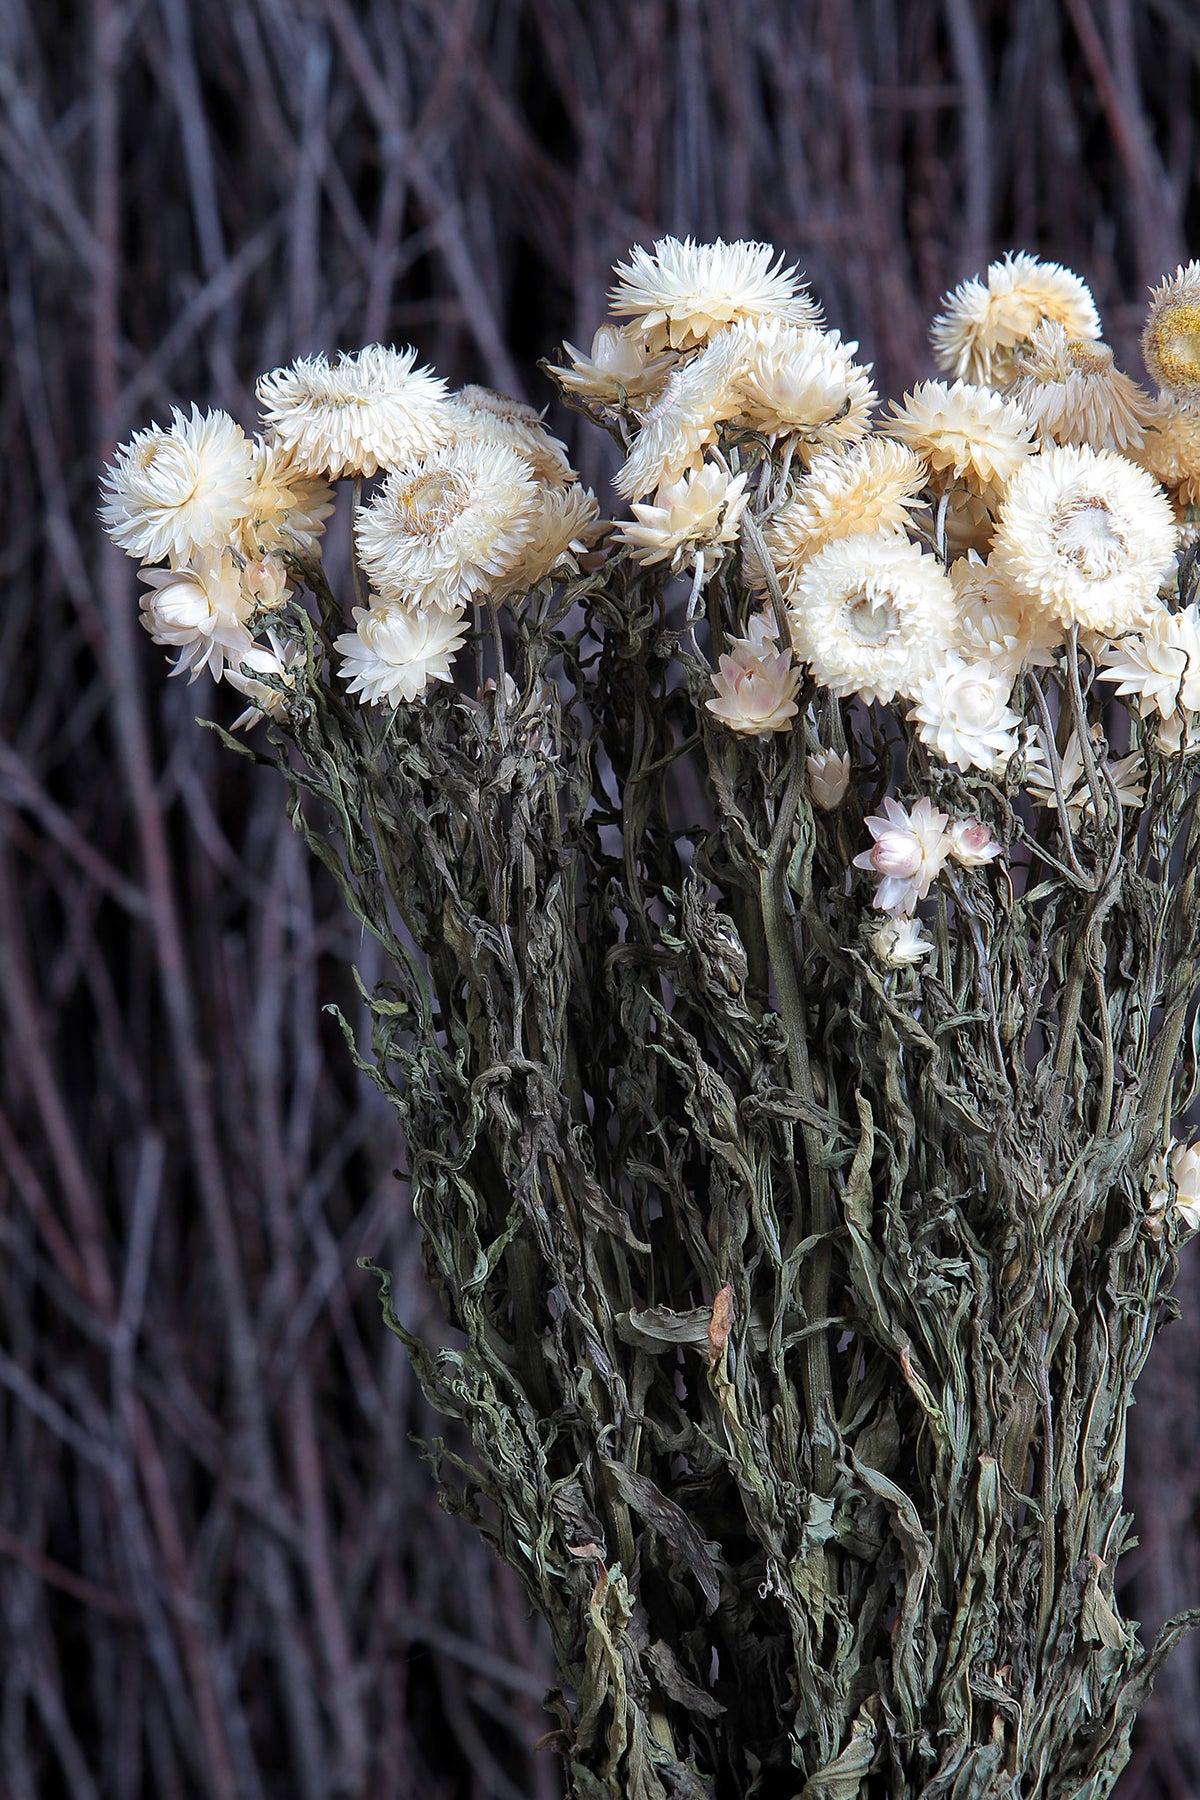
(963, 713)
(288, 510)
(684, 293)
(909, 852)
(368, 411)
(972, 844)
(1126, 773)
(618, 364)
(450, 529)
(480, 412)
(871, 614)
(976, 336)
(182, 492)
(1088, 536)
(561, 531)
(828, 778)
(1160, 664)
(281, 662)
(899, 943)
(700, 511)
(995, 623)
(266, 583)
(201, 611)
(755, 689)
(1171, 451)
(870, 487)
(803, 385)
(1185, 1173)
(1072, 393)
(1171, 337)
(965, 433)
(395, 652)
(698, 396)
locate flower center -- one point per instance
(1089, 358)
(872, 617)
(1086, 535)
(1173, 340)
(431, 502)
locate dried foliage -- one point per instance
(217, 1551)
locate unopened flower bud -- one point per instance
(266, 582)
(972, 844)
(828, 778)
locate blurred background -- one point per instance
(222, 1568)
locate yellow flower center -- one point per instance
(429, 503)
(1172, 347)
(1089, 358)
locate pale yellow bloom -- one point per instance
(368, 411)
(182, 492)
(560, 532)
(1171, 451)
(872, 486)
(481, 413)
(803, 385)
(965, 433)
(288, 510)
(976, 337)
(684, 293)
(1072, 393)
(1171, 338)
(699, 512)
(395, 652)
(698, 396)
(998, 625)
(618, 363)
(871, 615)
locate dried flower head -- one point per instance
(181, 492)
(975, 338)
(1160, 665)
(871, 615)
(201, 611)
(870, 487)
(684, 293)
(699, 512)
(900, 943)
(618, 364)
(965, 433)
(560, 532)
(368, 411)
(963, 713)
(909, 852)
(482, 413)
(755, 688)
(698, 396)
(267, 675)
(971, 844)
(998, 625)
(1171, 451)
(1086, 535)
(1185, 1174)
(288, 510)
(1171, 336)
(450, 529)
(828, 778)
(1126, 774)
(1072, 392)
(804, 385)
(395, 652)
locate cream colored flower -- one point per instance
(618, 364)
(397, 651)
(871, 487)
(908, 855)
(560, 532)
(1088, 536)
(963, 713)
(871, 615)
(181, 492)
(1185, 1173)
(1126, 773)
(996, 624)
(699, 512)
(804, 385)
(975, 338)
(1160, 665)
(1171, 451)
(698, 396)
(685, 292)
(288, 510)
(966, 434)
(971, 844)
(755, 689)
(280, 662)
(480, 412)
(266, 583)
(368, 411)
(899, 943)
(1171, 338)
(202, 612)
(449, 530)
(1072, 393)
(828, 778)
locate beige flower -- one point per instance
(267, 675)
(449, 530)
(685, 292)
(803, 385)
(699, 512)
(899, 943)
(1088, 536)
(755, 688)
(288, 510)
(397, 651)
(871, 615)
(182, 492)
(1185, 1173)
(368, 411)
(698, 396)
(1171, 451)
(1072, 393)
(828, 778)
(964, 714)
(998, 625)
(481, 413)
(1161, 665)
(1171, 338)
(618, 364)
(977, 335)
(965, 433)
(871, 487)
(1126, 773)
(560, 532)
(202, 612)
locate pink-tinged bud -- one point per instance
(896, 853)
(828, 778)
(266, 581)
(972, 844)
(909, 853)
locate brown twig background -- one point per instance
(221, 1569)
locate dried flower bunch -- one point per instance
(791, 896)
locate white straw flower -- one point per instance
(701, 511)
(828, 778)
(755, 689)
(1171, 451)
(976, 336)
(560, 532)
(480, 412)
(685, 292)
(899, 943)
(909, 852)
(965, 433)
(998, 625)
(201, 611)
(397, 651)
(280, 662)
(963, 713)
(180, 492)
(803, 385)
(1171, 339)
(1088, 536)
(1126, 774)
(871, 614)
(971, 844)
(618, 363)
(872, 487)
(1161, 664)
(368, 411)
(450, 529)
(1072, 393)
(698, 396)
(287, 510)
